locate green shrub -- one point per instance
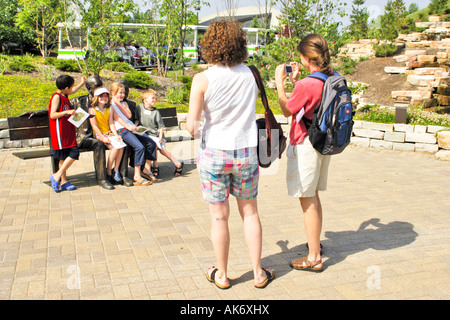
(22, 64)
(3, 65)
(119, 67)
(356, 87)
(139, 80)
(67, 65)
(50, 61)
(385, 49)
(175, 94)
(187, 80)
(346, 65)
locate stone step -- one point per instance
(395, 70)
(414, 94)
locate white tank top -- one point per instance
(120, 114)
(229, 110)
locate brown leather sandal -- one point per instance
(211, 278)
(305, 264)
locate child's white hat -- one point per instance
(100, 91)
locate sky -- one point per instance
(376, 7)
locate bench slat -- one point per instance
(24, 122)
(170, 122)
(168, 112)
(169, 116)
(29, 133)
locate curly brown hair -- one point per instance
(225, 42)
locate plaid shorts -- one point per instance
(228, 171)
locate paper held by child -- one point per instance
(79, 117)
(116, 143)
(156, 140)
(140, 130)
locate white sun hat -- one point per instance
(100, 91)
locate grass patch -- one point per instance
(415, 116)
(19, 94)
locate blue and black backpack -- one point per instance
(331, 127)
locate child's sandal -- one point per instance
(155, 171)
(179, 171)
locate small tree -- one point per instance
(40, 17)
(413, 7)
(8, 31)
(359, 18)
(99, 16)
(437, 7)
(302, 17)
(388, 30)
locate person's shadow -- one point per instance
(339, 245)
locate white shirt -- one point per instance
(229, 110)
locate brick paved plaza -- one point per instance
(385, 233)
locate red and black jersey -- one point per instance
(62, 132)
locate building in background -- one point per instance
(246, 16)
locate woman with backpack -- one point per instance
(307, 169)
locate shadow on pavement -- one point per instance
(339, 245)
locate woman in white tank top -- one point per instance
(227, 162)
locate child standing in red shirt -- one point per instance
(62, 132)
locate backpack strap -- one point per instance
(318, 75)
(322, 76)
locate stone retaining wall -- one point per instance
(403, 137)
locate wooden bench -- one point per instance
(169, 117)
(35, 127)
(26, 128)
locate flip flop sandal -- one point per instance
(270, 277)
(142, 182)
(211, 279)
(306, 265)
(147, 176)
(55, 184)
(68, 186)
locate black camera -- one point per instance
(288, 68)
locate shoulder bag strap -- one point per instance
(259, 82)
(271, 122)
